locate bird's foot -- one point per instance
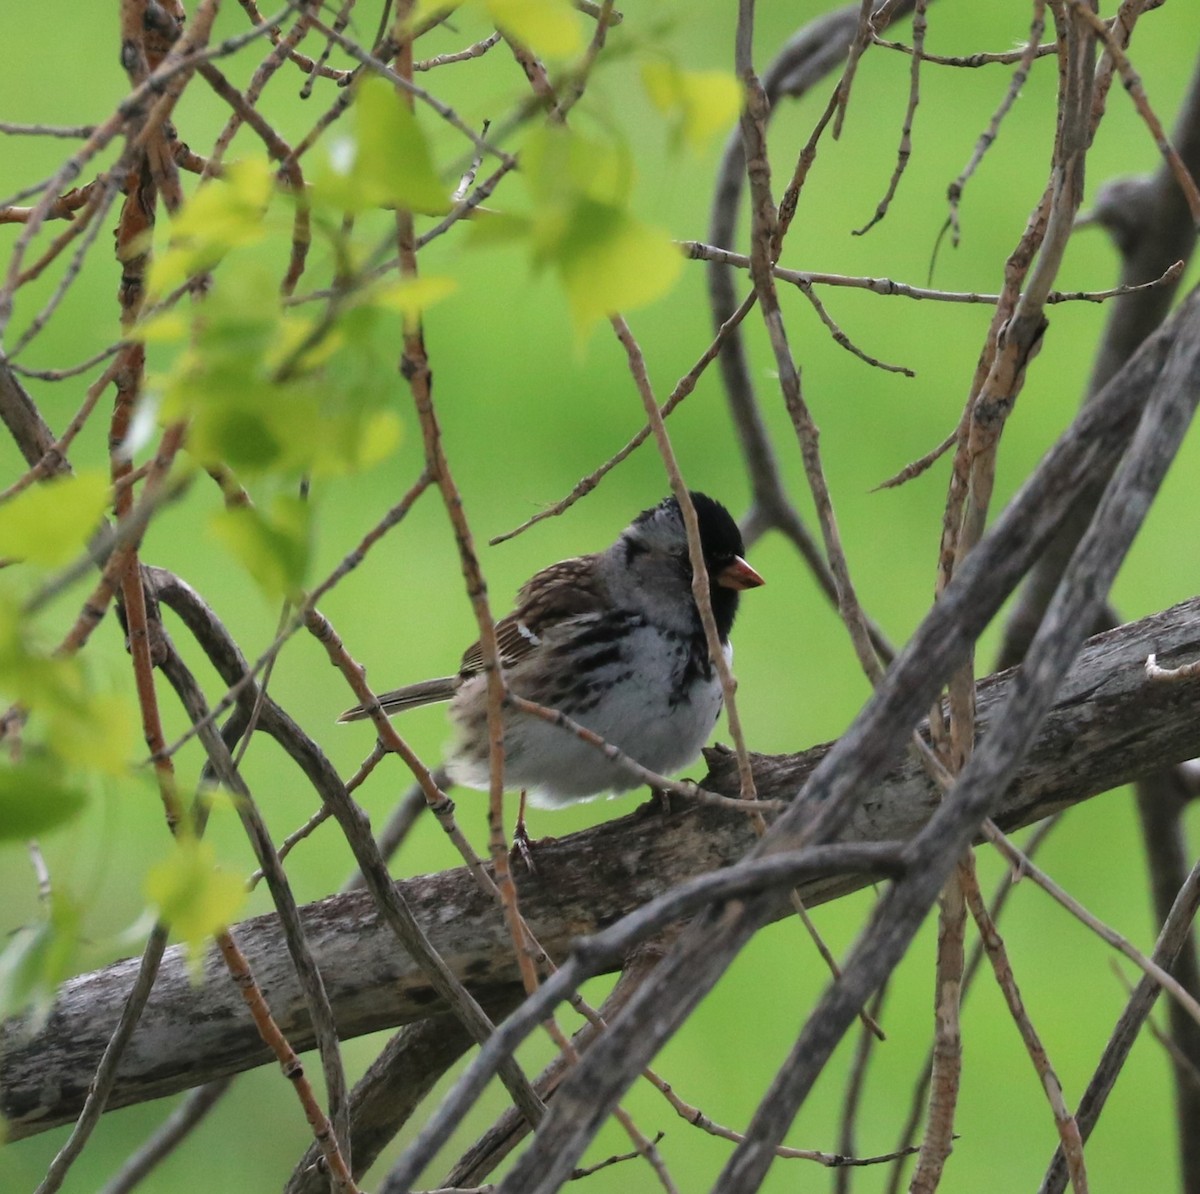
(522, 844)
(522, 847)
(659, 804)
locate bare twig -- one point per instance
(1024, 60)
(904, 152)
(1103, 931)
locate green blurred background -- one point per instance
(527, 410)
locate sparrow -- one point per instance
(612, 640)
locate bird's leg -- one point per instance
(521, 843)
(659, 804)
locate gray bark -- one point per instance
(1109, 725)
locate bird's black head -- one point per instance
(719, 533)
(721, 542)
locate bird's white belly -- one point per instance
(637, 715)
(557, 768)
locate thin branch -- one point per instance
(1133, 85)
(993, 943)
(106, 1072)
(700, 585)
(1175, 933)
(1024, 59)
(72, 132)
(1167, 981)
(174, 1130)
(1002, 57)
(683, 387)
(681, 788)
(904, 152)
(477, 50)
(807, 279)
(382, 69)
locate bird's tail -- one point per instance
(428, 692)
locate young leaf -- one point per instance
(612, 262)
(410, 296)
(193, 895)
(296, 350)
(549, 27)
(38, 957)
(162, 327)
(274, 547)
(699, 104)
(95, 731)
(606, 259)
(223, 214)
(49, 523)
(47, 685)
(35, 797)
(561, 166)
(384, 162)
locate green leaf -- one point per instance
(193, 895)
(334, 183)
(69, 722)
(500, 228)
(96, 732)
(309, 428)
(50, 523)
(242, 439)
(271, 389)
(379, 436)
(410, 296)
(162, 327)
(35, 797)
(27, 674)
(274, 548)
(228, 211)
(607, 260)
(361, 442)
(299, 346)
(37, 958)
(223, 214)
(700, 104)
(612, 262)
(551, 28)
(562, 166)
(385, 161)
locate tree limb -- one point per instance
(1109, 725)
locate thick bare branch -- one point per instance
(1110, 723)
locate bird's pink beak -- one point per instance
(738, 575)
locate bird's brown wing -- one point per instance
(568, 589)
(563, 591)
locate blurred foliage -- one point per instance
(50, 523)
(533, 394)
(193, 895)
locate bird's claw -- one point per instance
(522, 847)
